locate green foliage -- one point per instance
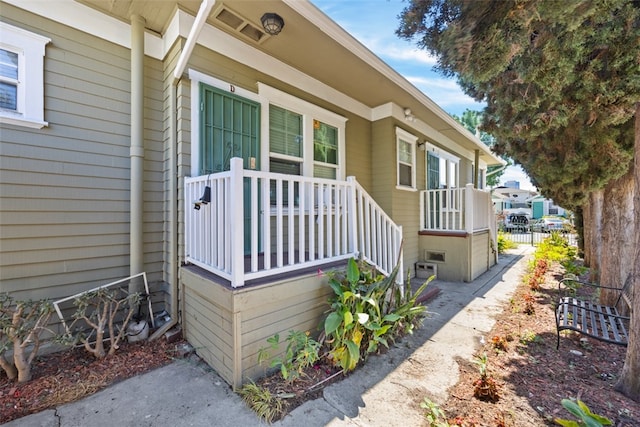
(504, 243)
(555, 76)
(434, 415)
(367, 310)
(583, 413)
(556, 247)
(22, 324)
(262, 402)
(301, 352)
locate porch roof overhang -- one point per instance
(318, 42)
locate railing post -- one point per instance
(236, 222)
(352, 219)
(468, 208)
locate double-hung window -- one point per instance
(304, 139)
(21, 77)
(406, 160)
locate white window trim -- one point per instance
(196, 78)
(272, 96)
(403, 135)
(441, 154)
(30, 48)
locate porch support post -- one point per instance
(236, 222)
(468, 208)
(476, 170)
(136, 153)
(352, 219)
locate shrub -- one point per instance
(106, 313)
(367, 310)
(21, 326)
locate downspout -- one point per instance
(136, 153)
(194, 33)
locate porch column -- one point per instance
(476, 170)
(236, 222)
(468, 208)
(136, 154)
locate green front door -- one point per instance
(229, 127)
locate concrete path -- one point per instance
(386, 391)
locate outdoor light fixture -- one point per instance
(272, 23)
(408, 115)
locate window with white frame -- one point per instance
(442, 169)
(406, 159)
(22, 77)
(304, 139)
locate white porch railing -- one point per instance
(455, 209)
(261, 224)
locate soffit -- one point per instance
(303, 45)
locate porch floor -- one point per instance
(264, 280)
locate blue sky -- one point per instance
(373, 23)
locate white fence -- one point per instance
(261, 224)
(455, 209)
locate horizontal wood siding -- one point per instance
(227, 327)
(479, 253)
(64, 212)
(297, 304)
(207, 321)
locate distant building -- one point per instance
(512, 184)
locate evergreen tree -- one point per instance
(561, 81)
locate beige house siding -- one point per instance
(482, 256)
(227, 327)
(64, 216)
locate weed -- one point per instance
(300, 353)
(262, 402)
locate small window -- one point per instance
(406, 155)
(22, 77)
(325, 150)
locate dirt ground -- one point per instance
(533, 377)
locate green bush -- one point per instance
(367, 310)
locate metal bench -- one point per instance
(598, 321)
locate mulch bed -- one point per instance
(534, 376)
(67, 376)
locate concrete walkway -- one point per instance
(386, 391)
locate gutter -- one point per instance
(187, 50)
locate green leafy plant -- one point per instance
(434, 415)
(262, 402)
(301, 352)
(504, 243)
(367, 310)
(485, 387)
(580, 410)
(21, 326)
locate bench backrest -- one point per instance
(625, 293)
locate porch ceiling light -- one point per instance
(272, 23)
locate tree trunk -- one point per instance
(629, 382)
(9, 368)
(617, 236)
(20, 361)
(592, 218)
